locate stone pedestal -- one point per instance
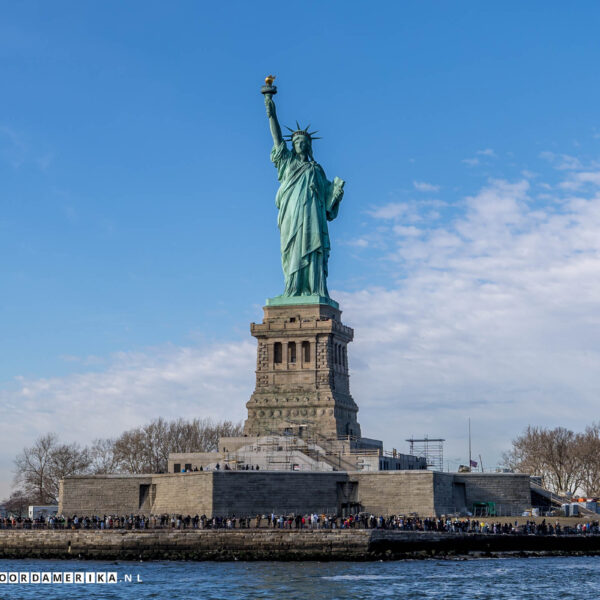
(302, 382)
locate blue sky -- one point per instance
(138, 228)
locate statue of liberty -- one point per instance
(306, 201)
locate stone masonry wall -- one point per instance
(395, 492)
(185, 493)
(298, 393)
(443, 497)
(251, 492)
(101, 494)
(510, 491)
(275, 544)
(270, 544)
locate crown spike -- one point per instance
(300, 131)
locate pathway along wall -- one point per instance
(278, 545)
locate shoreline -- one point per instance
(284, 545)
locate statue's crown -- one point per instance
(299, 131)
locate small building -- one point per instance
(295, 453)
(39, 511)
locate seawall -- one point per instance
(353, 545)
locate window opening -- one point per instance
(277, 352)
(306, 351)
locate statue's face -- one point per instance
(301, 144)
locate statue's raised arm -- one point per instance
(273, 122)
(269, 90)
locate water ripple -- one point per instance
(494, 579)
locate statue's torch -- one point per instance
(269, 89)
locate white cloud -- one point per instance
(563, 162)
(578, 173)
(577, 180)
(411, 211)
(170, 382)
(494, 317)
(529, 174)
(474, 161)
(410, 231)
(359, 243)
(392, 210)
(422, 186)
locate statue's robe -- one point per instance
(305, 202)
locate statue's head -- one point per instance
(302, 139)
(302, 144)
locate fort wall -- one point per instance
(511, 492)
(245, 493)
(395, 492)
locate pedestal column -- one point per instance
(302, 380)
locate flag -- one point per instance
(473, 464)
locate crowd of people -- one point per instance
(313, 521)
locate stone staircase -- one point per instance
(558, 500)
(316, 447)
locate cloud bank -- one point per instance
(494, 316)
(134, 388)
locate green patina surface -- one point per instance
(301, 300)
(306, 200)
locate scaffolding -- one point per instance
(287, 452)
(431, 449)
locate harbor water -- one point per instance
(494, 579)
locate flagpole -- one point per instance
(469, 443)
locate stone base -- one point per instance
(302, 382)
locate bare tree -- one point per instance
(146, 449)
(33, 467)
(553, 454)
(200, 435)
(561, 448)
(130, 452)
(18, 502)
(39, 469)
(526, 455)
(67, 460)
(590, 460)
(102, 456)
(223, 429)
(158, 444)
(143, 449)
